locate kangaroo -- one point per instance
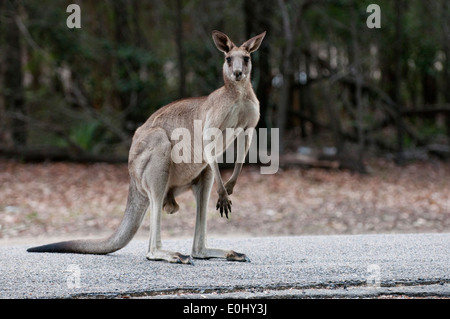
(155, 179)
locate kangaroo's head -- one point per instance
(238, 64)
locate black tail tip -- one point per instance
(50, 248)
(34, 250)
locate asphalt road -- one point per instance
(281, 267)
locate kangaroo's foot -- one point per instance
(229, 255)
(235, 256)
(170, 256)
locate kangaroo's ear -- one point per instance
(222, 41)
(253, 44)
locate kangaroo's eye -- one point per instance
(246, 59)
(228, 59)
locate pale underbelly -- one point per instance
(184, 174)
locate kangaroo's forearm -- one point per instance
(217, 177)
(239, 163)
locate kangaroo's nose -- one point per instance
(238, 75)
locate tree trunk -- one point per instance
(258, 15)
(122, 38)
(286, 71)
(357, 73)
(126, 64)
(3, 128)
(180, 51)
(14, 97)
(398, 47)
(446, 48)
(308, 103)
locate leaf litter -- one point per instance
(75, 200)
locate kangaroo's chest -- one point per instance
(242, 114)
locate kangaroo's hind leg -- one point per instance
(202, 190)
(155, 178)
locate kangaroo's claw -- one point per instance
(224, 206)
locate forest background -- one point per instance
(342, 93)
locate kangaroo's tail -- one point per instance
(137, 205)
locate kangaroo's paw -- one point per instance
(224, 206)
(171, 257)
